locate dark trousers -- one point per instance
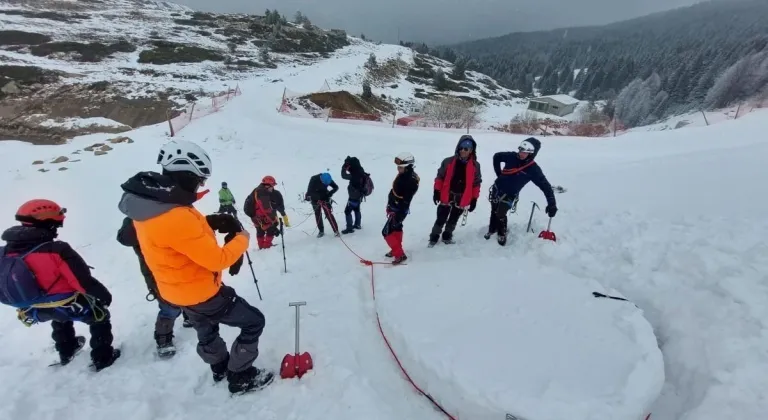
(447, 215)
(353, 206)
(62, 322)
(228, 208)
(499, 210)
(227, 308)
(327, 209)
(166, 318)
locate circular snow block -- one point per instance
(506, 340)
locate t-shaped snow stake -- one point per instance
(296, 364)
(548, 234)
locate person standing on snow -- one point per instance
(167, 314)
(457, 187)
(262, 206)
(180, 248)
(404, 187)
(356, 175)
(46, 280)
(320, 197)
(519, 169)
(226, 200)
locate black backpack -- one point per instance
(367, 185)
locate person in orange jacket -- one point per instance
(180, 248)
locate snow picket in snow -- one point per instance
(489, 341)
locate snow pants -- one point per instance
(393, 233)
(96, 316)
(353, 206)
(447, 215)
(499, 210)
(326, 209)
(264, 237)
(228, 208)
(227, 308)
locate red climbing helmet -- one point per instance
(41, 211)
(269, 180)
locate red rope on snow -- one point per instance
(370, 263)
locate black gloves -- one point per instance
(234, 268)
(436, 197)
(223, 223)
(551, 210)
(472, 205)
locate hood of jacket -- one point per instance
(473, 155)
(536, 147)
(149, 194)
(23, 237)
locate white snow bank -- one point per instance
(490, 340)
(72, 123)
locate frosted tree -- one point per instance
(440, 82)
(367, 92)
(739, 81)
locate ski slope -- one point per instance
(673, 220)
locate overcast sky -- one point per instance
(444, 21)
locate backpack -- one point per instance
(367, 185)
(248, 206)
(18, 284)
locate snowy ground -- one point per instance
(674, 220)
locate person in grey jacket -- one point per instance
(457, 188)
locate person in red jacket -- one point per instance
(262, 206)
(404, 187)
(47, 281)
(457, 187)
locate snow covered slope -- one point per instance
(674, 220)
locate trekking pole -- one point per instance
(282, 239)
(530, 219)
(250, 264)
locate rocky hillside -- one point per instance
(131, 60)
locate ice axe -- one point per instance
(296, 364)
(530, 219)
(548, 234)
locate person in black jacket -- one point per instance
(519, 169)
(54, 284)
(167, 314)
(320, 197)
(262, 206)
(355, 174)
(404, 187)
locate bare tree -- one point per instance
(449, 111)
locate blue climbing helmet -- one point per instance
(325, 177)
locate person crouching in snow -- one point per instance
(519, 169)
(262, 206)
(226, 200)
(457, 187)
(167, 314)
(355, 174)
(46, 280)
(320, 197)
(181, 250)
(404, 187)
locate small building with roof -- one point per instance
(560, 105)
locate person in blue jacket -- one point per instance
(519, 168)
(320, 197)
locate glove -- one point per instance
(223, 223)
(551, 210)
(472, 205)
(306, 197)
(286, 222)
(234, 269)
(436, 197)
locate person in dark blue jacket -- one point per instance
(519, 168)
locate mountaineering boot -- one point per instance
(448, 238)
(219, 370)
(99, 364)
(357, 227)
(165, 346)
(348, 230)
(488, 236)
(502, 240)
(320, 235)
(388, 254)
(399, 260)
(250, 379)
(66, 356)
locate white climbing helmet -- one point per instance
(182, 155)
(404, 159)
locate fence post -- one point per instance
(282, 102)
(170, 124)
(328, 117)
(738, 108)
(394, 118)
(192, 110)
